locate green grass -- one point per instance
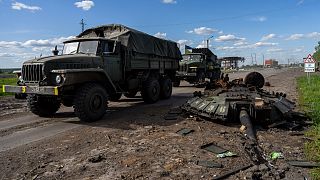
(7, 81)
(309, 99)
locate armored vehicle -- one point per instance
(100, 64)
(197, 65)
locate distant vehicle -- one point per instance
(198, 65)
(100, 64)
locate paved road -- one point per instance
(24, 128)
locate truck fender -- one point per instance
(81, 76)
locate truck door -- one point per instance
(112, 60)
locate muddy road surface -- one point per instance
(134, 141)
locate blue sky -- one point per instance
(286, 29)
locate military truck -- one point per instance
(197, 65)
(100, 64)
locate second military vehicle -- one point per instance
(197, 65)
(100, 64)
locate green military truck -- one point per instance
(197, 65)
(100, 64)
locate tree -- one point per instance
(316, 55)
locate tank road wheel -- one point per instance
(43, 106)
(131, 94)
(151, 91)
(115, 97)
(91, 102)
(166, 88)
(176, 83)
(254, 79)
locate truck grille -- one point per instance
(32, 73)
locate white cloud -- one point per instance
(229, 38)
(264, 44)
(85, 5)
(203, 31)
(241, 43)
(184, 42)
(169, 1)
(20, 6)
(295, 37)
(268, 37)
(161, 35)
(203, 44)
(311, 35)
(275, 50)
(300, 2)
(259, 19)
(225, 48)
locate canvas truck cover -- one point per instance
(135, 40)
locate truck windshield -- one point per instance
(191, 58)
(82, 47)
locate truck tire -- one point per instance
(166, 88)
(131, 94)
(43, 106)
(151, 91)
(176, 83)
(115, 97)
(91, 102)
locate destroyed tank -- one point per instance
(234, 100)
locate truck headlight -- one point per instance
(58, 79)
(20, 79)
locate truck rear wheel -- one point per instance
(151, 91)
(166, 88)
(43, 106)
(91, 102)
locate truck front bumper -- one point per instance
(45, 90)
(181, 74)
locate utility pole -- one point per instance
(82, 25)
(262, 60)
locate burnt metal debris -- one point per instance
(245, 101)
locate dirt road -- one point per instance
(133, 141)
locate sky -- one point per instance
(286, 30)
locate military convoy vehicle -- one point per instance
(100, 64)
(197, 65)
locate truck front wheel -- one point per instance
(43, 106)
(151, 91)
(166, 88)
(91, 102)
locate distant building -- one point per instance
(271, 63)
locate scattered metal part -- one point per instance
(303, 164)
(227, 154)
(209, 164)
(245, 121)
(232, 172)
(213, 148)
(185, 131)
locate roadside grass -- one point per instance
(309, 99)
(7, 81)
